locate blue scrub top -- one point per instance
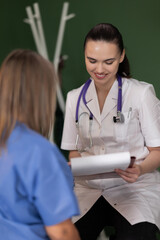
(36, 186)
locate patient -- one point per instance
(36, 186)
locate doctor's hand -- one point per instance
(130, 174)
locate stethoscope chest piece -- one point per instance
(119, 118)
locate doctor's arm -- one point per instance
(150, 163)
(62, 231)
(149, 109)
(73, 154)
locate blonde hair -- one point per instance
(27, 93)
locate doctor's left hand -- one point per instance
(130, 174)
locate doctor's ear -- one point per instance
(122, 56)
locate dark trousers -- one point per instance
(102, 214)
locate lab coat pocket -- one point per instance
(123, 131)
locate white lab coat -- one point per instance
(138, 201)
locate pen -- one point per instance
(129, 112)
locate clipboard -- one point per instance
(100, 166)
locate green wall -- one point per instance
(138, 21)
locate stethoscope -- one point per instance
(116, 119)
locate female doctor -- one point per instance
(113, 113)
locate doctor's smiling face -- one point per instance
(102, 61)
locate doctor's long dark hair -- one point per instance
(107, 32)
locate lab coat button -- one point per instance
(115, 204)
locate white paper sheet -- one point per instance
(100, 164)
